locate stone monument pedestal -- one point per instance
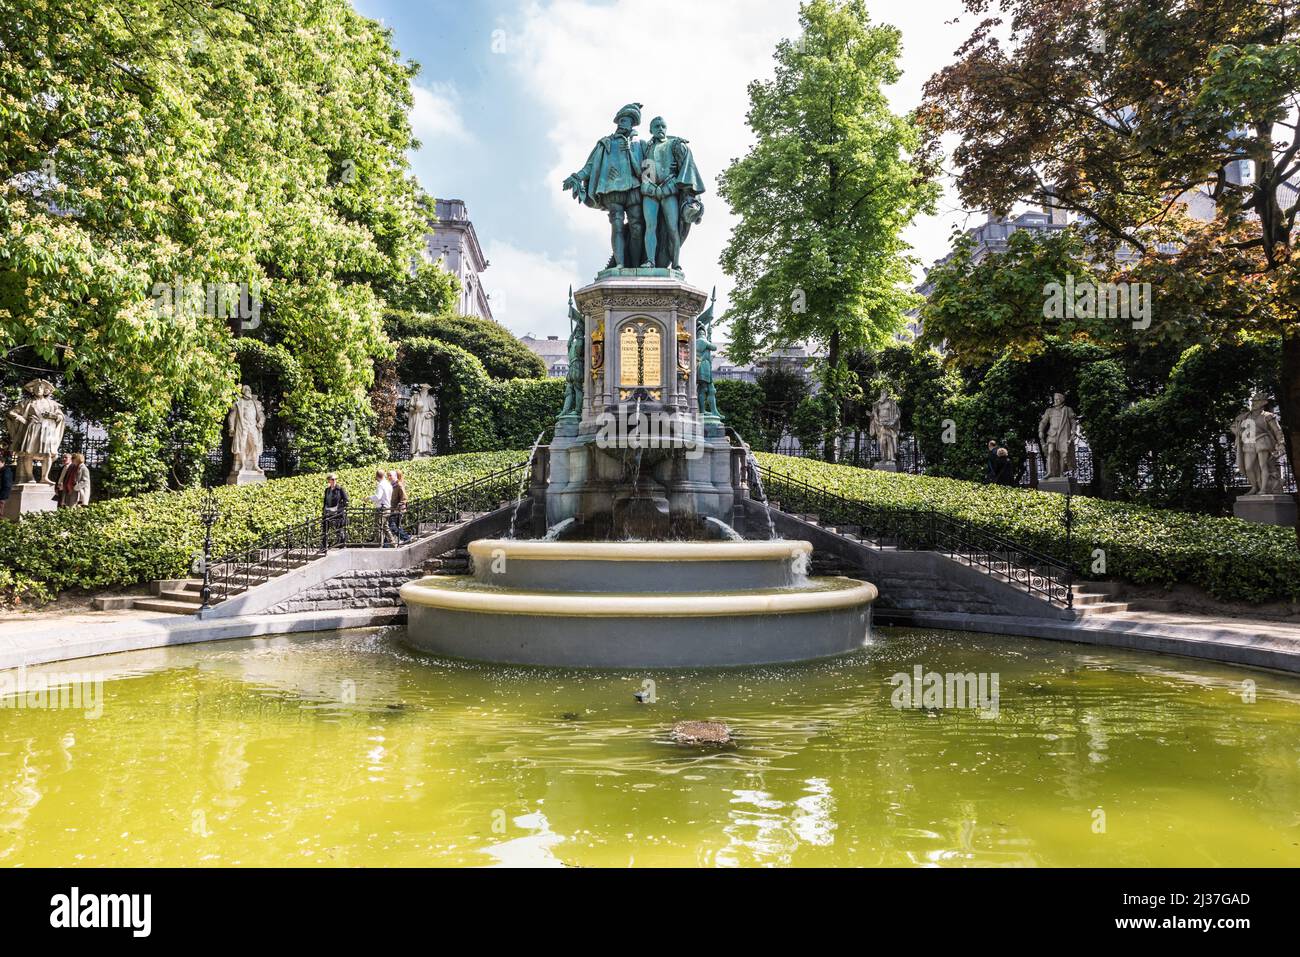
(246, 477)
(1059, 485)
(28, 498)
(1266, 509)
(886, 466)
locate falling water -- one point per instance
(523, 483)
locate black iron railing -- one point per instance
(359, 526)
(918, 529)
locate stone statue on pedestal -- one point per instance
(1056, 437)
(886, 421)
(420, 411)
(245, 423)
(1259, 442)
(575, 378)
(649, 190)
(670, 184)
(35, 427)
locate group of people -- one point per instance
(999, 470)
(71, 486)
(389, 500)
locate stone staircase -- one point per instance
(911, 592)
(184, 596)
(454, 562)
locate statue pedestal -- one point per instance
(1059, 485)
(246, 477)
(28, 498)
(886, 466)
(1266, 509)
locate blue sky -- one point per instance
(512, 95)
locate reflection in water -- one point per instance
(348, 750)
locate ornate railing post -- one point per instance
(209, 512)
(1069, 543)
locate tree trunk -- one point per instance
(832, 365)
(1289, 400)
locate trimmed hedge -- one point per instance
(130, 540)
(1231, 559)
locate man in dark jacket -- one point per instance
(6, 477)
(991, 468)
(335, 512)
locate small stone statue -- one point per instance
(245, 423)
(704, 349)
(35, 427)
(886, 421)
(1259, 442)
(575, 378)
(1056, 437)
(421, 409)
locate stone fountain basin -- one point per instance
(654, 567)
(637, 605)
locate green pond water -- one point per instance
(346, 749)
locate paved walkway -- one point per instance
(1255, 643)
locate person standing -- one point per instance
(397, 511)
(335, 512)
(382, 500)
(77, 486)
(6, 477)
(64, 483)
(1002, 471)
(991, 468)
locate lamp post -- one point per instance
(1069, 538)
(209, 512)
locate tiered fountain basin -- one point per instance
(638, 604)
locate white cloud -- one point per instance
(528, 289)
(435, 114)
(689, 61)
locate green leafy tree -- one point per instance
(824, 194)
(1116, 110)
(236, 143)
(502, 355)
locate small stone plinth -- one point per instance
(1058, 486)
(246, 477)
(28, 498)
(1266, 509)
(886, 466)
(711, 733)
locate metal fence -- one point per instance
(360, 526)
(919, 529)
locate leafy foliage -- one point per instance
(741, 406)
(1115, 109)
(246, 142)
(824, 194)
(130, 540)
(1230, 559)
(503, 356)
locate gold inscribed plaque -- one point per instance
(628, 355)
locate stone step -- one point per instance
(1106, 608)
(182, 595)
(1090, 598)
(164, 604)
(1098, 588)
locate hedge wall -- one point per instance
(1231, 559)
(130, 540)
